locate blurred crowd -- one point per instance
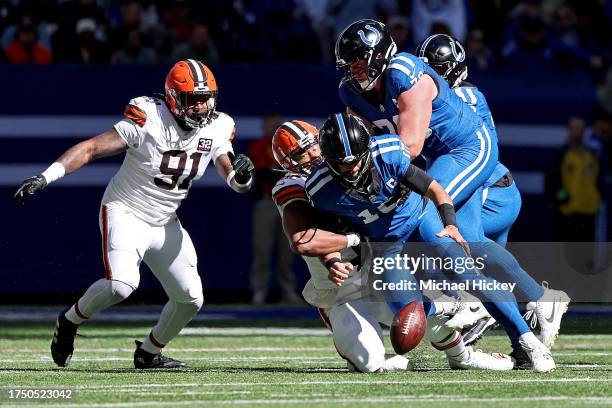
(518, 33)
(522, 35)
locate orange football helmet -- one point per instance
(188, 84)
(290, 141)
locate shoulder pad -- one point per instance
(289, 188)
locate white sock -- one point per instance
(101, 295)
(174, 317)
(528, 338)
(445, 339)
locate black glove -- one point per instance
(30, 186)
(243, 166)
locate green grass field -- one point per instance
(243, 363)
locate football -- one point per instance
(408, 327)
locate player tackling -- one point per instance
(168, 144)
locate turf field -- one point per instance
(261, 363)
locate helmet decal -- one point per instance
(347, 147)
(365, 40)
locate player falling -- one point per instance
(168, 144)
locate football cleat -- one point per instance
(471, 335)
(539, 355)
(479, 360)
(548, 311)
(62, 345)
(467, 315)
(521, 359)
(146, 360)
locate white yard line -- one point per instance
(175, 350)
(328, 401)
(349, 382)
(212, 359)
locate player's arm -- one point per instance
(419, 181)
(236, 171)
(106, 144)
(415, 113)
(338, 270)
(308, 240)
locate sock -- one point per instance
(174, 317)
(445, 339)
(99, 296)
(74, 314)
(528, 338)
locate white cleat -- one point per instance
(466, 315)
(548, 311)
(479, 360)
(539, 355)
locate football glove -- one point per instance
(29, 187)
(243, 166)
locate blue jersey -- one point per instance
(477, 101)
(453, 123)
(389, 212)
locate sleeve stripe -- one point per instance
(402, 68)
(288, 190)
(135, 114)
(285, 199)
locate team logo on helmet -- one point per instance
(370, 42)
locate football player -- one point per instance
(502, 199)
(335, 289)
(168, 143)
(369, 182)
(400, 94)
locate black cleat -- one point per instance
(146, 360)
(62, 344)
(522, 360)
(472, 334)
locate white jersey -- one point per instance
(163, 159)
(319, 291)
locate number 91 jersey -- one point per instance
(163, 159)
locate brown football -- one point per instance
(408, 327)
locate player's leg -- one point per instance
(124, 238)
(500, 210)
(358, 338)
(462, 171)
(265, 214)
(173, 260)
(500, 304)
(458, 355)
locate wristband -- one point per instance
(447, 214)
(352, 240)
(330, 262)
(54, 172)
(234, 185)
